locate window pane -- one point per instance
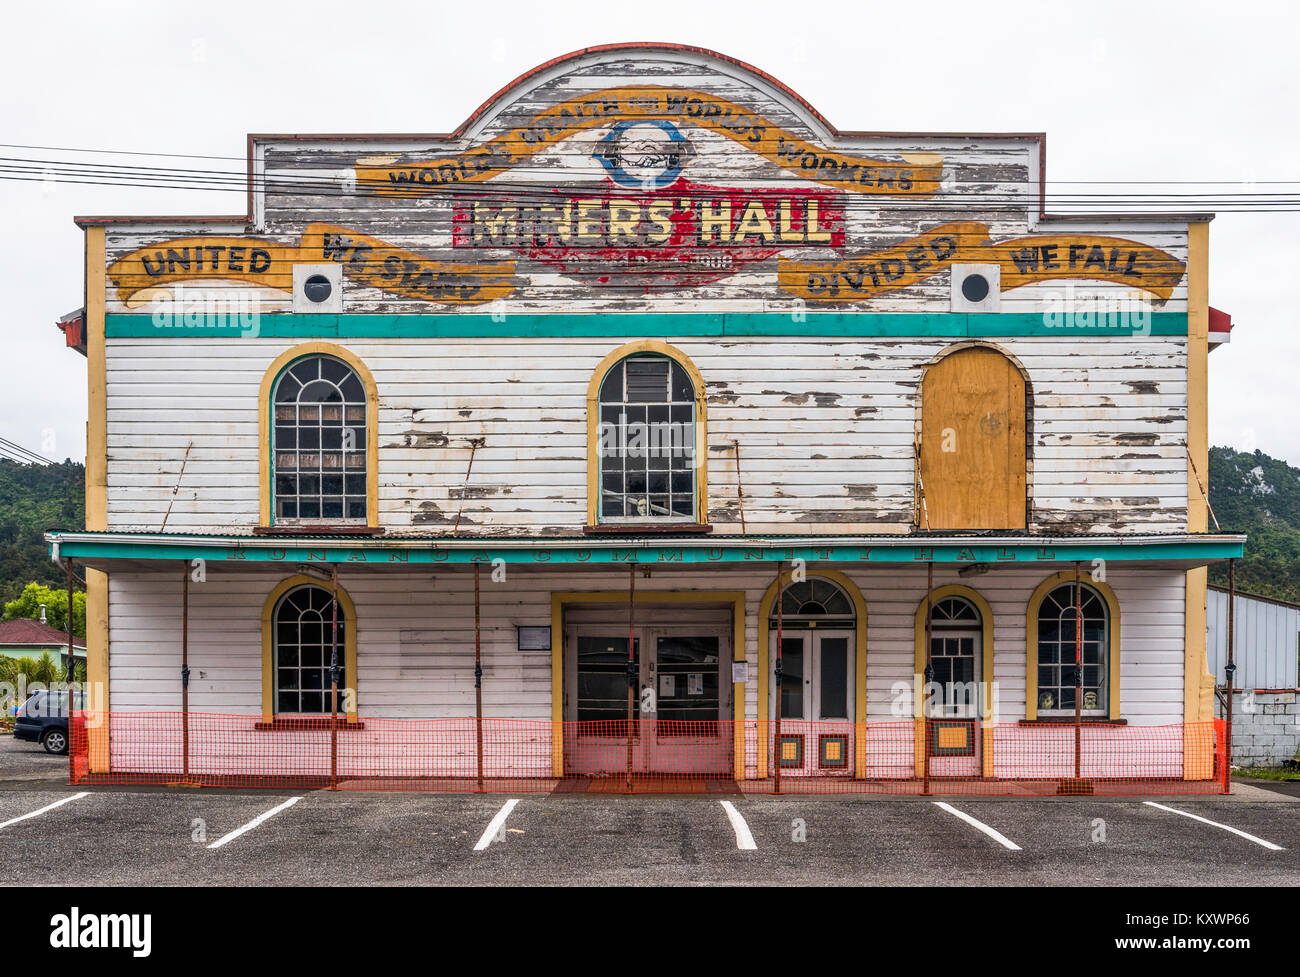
(602, 683)
(693, 664)
(353, 391)
(834, 678)
(792, 678)
(682, 388)
(611, 390)
(647, 380)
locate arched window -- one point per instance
(319, 442)
(815, 601)
(647, 441)
(1058, 678)
(303, 649)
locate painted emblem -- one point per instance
(644, 155)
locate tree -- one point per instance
(34, 595)
(33, 500)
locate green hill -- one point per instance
(1260, 496)
(34, 499)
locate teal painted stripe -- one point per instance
(293, 552)
(288, 325)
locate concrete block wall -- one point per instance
(1265, 728)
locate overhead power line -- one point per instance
(16, 452)
(1224, 196)
(452, 150)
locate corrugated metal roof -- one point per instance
(25, 631)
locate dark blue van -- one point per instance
(43, 719)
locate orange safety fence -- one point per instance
(953, 756)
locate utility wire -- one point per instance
(451, 150)
(970, 203)
(16, 452)
(1002, 194)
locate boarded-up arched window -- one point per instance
(973, 455)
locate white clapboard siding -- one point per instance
(826, 429)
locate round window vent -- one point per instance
(975, 288)
(318, 288)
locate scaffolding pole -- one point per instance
(631, 663)
(1078, 675)
(1230, 673)
(928, 675)
(72, 674)
(185, 673)
(334, 677)
(780, 690)
(478, 678)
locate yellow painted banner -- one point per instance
(1023, 260)
(365, 259)
(916, 176)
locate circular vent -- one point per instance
(975, 288)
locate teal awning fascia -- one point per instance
(236, 550)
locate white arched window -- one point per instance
(303, 623)
(1057, 633)
(318, 442)
(647, 438)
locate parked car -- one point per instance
(43, 719)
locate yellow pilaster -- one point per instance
(96, 498)
(1198, 683)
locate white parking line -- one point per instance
(255, 822)
(495, 825)
(997, 836)
(744, 839)
(1196, 817)
(47, 807)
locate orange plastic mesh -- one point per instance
(962, 757)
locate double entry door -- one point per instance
(816, 701)
(681, 702)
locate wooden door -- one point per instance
(973, 442)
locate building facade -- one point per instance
(642, 345)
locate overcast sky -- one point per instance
(1125, 91)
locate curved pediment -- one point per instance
(654, 176)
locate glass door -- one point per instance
(817, 707)
(955, 656)
(690, 730)
(595, 741)
(682, 701)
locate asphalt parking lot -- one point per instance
(52, 834)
